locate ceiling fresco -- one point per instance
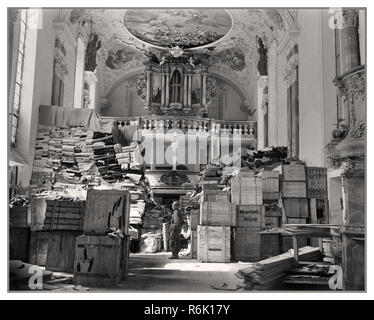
(187, 28)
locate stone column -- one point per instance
(162, 89)
(148, 101)
(204, 90)
(185, 91)
(189, 90)
(350, 40)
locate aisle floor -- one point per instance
(157, 273)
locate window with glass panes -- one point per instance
(19, 73)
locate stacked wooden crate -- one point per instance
(270, 194)
(19, 233)
(100, 259)
(63, 223)
(214, 229)
(247, 194)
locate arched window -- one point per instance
(176, 87)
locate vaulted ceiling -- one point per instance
(127, 36)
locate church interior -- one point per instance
(186, 150)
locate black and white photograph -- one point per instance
(186, 150)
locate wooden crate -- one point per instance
(194, 244)
(39, 247)
(213, 243)
(210, 185)
(106, 209)
(19, 244)
(100, 260)
(294, 189)
(272, 222)
(61, 250)
(246, 190)
(246, 244)
(217, 214)
(216, 196)
(296, 208)
(64, 215)
(270, 181)
(269, 244)
(18, 217)
(292, 172)
(316, 178)
(250, 216)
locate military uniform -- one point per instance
(175, 231)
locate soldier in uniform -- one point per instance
(175, 230)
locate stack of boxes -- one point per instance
(152, 221)
(217, 217)
(270, 194)
(246, 193)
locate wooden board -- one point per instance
(270, 196)
(273, 211)
(106, 209)
(39, 247)
(99, 261)
(217, 214)
(18, 217)
(64, 215)
(216, 196)
(294, 189)
(246, 190)
(61, 250)
(296, 208)
(213, 243)
(247, 244)
(269, 244)
(19, 244)
(270, 181)
(316, 178)
(250, 216)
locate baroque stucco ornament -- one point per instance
(350, 18)
(290, 72)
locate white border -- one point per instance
(176, 296)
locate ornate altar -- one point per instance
(176, 86)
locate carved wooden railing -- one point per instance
(185, 123)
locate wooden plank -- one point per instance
(216, 196)
(61, 250)
(98, 261)
(246, 190)
(106, 209)
(18, 217)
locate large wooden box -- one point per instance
(292, 172)
(296, 208)
(270, 196)
(100, 261)
(64, 215)
(213, 243)
(18, 217)
(270, 244)
(246, 190)
(294, 189)
(217, 214)
(216, 196)
(316, 178)
(106, 209)
(247, 244)
(273, 210)
(61, 250)
(270, 181)
(250, 216)
(272, 222)
(39, 247)
(19, 244)
(297, 221)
